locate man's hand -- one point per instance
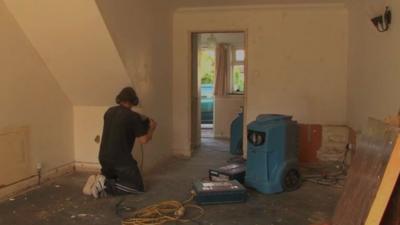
(146, 138)
(153, 124)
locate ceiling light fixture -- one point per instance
(212, 41)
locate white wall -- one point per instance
(297, 61)
(226, 110)
(88, 123)
(374, 68)
(141, 31)
(30, 97)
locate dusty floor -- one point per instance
(61, 202)
(207, 132)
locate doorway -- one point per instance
(218, 84)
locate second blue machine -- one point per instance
(272, 161)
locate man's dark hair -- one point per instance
(127, 94)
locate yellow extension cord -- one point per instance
(163, 212)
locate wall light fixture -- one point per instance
(383, 22)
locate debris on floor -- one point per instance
(173, 181)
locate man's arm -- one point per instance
(146, 138)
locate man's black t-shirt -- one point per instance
(121, 127)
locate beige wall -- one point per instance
(297, 61)
(226, 110)
(374, 68)
(75, 44)
(30, 97)
(88, 123)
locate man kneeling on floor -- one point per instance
(120, 174)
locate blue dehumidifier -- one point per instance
(272, 161)
(236, 142)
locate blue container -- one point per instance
(207, 110)
(234, 171)
(207, 104)
(272, 161)
(236, 142)
(212, 193)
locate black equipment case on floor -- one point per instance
(234, 171)
(209, 192)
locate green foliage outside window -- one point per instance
(207, 72)
(238, 78)
(207, 66)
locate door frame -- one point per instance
(194, 75)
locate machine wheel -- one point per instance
(291, 180)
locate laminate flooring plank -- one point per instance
(374, 151)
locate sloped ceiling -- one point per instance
(74, 42)
(142, 33)
(205, 3)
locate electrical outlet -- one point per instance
(97, 139)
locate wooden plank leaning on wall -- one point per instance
(392, 213)
(372, 176)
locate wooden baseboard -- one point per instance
(224, 137)
(181, 155)
(32, 182)
(87, 167)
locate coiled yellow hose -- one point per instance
(164, 212)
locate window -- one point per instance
(238, 79)
(237, 71)
(239, 55)
(206, 71)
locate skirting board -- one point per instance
(223, 137)
(87, 167)
(182, 154)
(32, 182)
